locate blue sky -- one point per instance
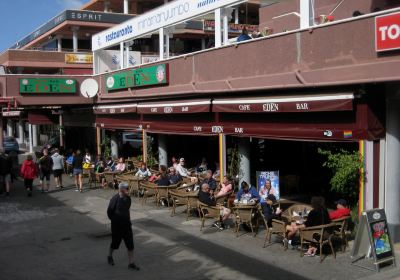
(18, 18)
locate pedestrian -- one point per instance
(77, 163)
(5, 172)
(58, 167)
(118, 212)
(29, 173)
(45, 167)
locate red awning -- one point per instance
(114, 122)
(175, 107)
(39, 118)
(305, 103)
(115, 109)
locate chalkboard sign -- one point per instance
(373, 239)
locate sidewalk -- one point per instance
(66, 234)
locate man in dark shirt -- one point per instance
(121, 227)
(210, 181)
(174, 177)
(45, 167)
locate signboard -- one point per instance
(47, 85)
(11, 113)
(146, 76)
(109, 60)
(273, 177)
(373, 239)
(209, 25)
(79, 58)
(163, 16)
(387, 32)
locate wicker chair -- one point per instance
(320, 235)
(109, 177)
(149, 190)
(134, 186)
(341, 229)
(289, 213)
(246, 214)
(163, 193)
(90, 174)
(278, 227)
(207, 211)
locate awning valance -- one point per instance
(115, 109)
(40, 118)
(175, 107)
(305, 103)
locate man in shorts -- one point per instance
(45, 167)
(121, 227)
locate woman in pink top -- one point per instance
(121, 165)
(226, 186)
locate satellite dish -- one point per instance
(89, 88)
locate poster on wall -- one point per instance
(263, 177)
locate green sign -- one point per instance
(47, 85)
(147, 76)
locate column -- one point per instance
(34, 135)
(126, 6)
(121, 55)
(225, 20)
(114, 145)
(59, 43)
(369, 174)
(95, 63)
(161, 43)
(98, 141)
(167, 37)
(75, 38)
(21, 132)
(392, 176)
(1, 132)
(61, 127)
(222, 155)
(244, 154)
(162, 150)
(217, 33)
(30, 138)
(106, 6)
(237, 15)
(144, 145)
(127, 54)
(306, 14)
(203, 43)
(10, 130)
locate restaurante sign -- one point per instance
(47, 85)
(140, 77)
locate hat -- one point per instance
(271, 197)
(123, 185)
(341, 202)
(181, 159)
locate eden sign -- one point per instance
(147, 76)
(47, 85)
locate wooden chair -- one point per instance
(149, 190)
(341, 229)
(319, 235)
(134, 186)
(109, 177)
(90, 174)
(207, 211)
(246, 214)
(179, 198)
(277, 227)
(289, 213)
(163, 193)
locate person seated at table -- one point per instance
(217, 172)
(87, 160)
(174, 162)
(99, 170)
(247, 193)
(181, 169)
(174, 177)
(205, 196)
(202, 167)
(226, 187)
(110, 164)
(162, 179)
(143, 171)
(266, 190)
(210, 181)
(341, 210)
(268, 209)
(121, 165)
(316, 217)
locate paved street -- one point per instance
(65, 235)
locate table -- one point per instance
(246, 214)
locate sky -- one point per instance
(19, 18)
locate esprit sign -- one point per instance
(161, 17)
(387, 32)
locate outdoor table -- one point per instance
(181, 198)
(246, 214)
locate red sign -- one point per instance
(387, 32)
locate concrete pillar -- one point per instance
(382, 161)
(21, 137)
(162, 150)
(106, 6)
(237, 15)
(34, 135)
(126, 6)
(30, 128)
(144, 145)
(161, 43)
(114, 145)
(121, 55)
(10, 130)
(369, 175)
(217, 33)
(61, 127)
(306, 14)
(392, 176)
(225, 20)
(75, 38)
(59, 43)
(98, 141)
(244, 154)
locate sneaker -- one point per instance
(216, 224)
(133, 266)
(76, 190)
(110, 260)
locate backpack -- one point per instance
(30, 171)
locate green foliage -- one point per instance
(233, 161)
(151, 154)
(106, 146)
(346, 168)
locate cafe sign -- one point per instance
(78, 58)
(147, 76)
(47, 85)
(387, 32)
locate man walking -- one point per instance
(45, 167)
(121, 226)
(5, 172)
(58, 168)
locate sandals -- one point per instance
(307, 254)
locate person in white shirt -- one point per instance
(181, 170)
(58, 168)
(143, 171)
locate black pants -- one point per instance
(28, 184)
(121, 232)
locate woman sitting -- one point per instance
(120, 166)
(226, 187)
(143, 171)
(162, 179)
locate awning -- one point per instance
(175, 107)
(117, 122)
(115, 109)
(305, 103)
(40, 118)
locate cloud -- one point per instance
(70, 4)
